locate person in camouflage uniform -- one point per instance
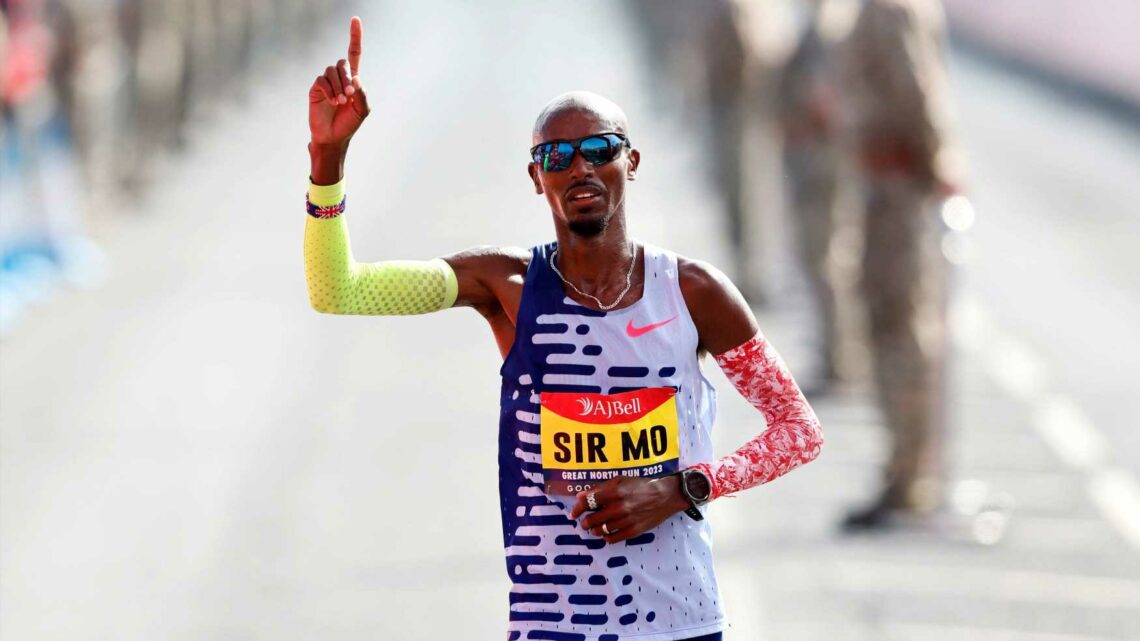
(808, 109)
(703, 47)
(897, 92)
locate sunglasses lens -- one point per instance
(599, 150)
(554, 156)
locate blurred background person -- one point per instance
(94, 76)
(709, 51)
(159, 45)
(96, 94)
(42, 227)
(809, 114)
(722, 45)
(896, 88)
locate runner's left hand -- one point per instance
(629, 507)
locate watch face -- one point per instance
(697, 486)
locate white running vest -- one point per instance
(567, 584)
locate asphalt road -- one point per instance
(1057, 187)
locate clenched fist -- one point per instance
(338, 103)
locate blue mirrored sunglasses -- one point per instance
(599, 149)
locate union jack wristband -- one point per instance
(326, 211)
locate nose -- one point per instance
(579, 168)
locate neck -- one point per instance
(595, 263)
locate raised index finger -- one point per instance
(355, 36)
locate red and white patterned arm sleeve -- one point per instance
(793, 436)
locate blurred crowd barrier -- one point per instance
(94, 93)
(1090, 44)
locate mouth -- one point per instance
(583, 194)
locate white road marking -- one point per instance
(991, 584)
(1070, 433)
(1117, 494)
(927, 632)
(1059, 421)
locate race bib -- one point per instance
(588, 439)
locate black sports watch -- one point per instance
(697, 490)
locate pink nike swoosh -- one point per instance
(634, 332)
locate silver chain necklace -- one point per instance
(628, 279)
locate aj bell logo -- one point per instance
(609, 409)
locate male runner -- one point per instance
(605, 449)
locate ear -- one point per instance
(532, 169)
(634, 163)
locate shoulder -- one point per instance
(505, 255)
(718, 309)
(706, 289)
(487, 261)
(700, 280)
(700, 273)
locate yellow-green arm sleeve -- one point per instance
(340, 285)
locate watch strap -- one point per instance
(692, 511)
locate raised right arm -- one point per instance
(337, 283)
